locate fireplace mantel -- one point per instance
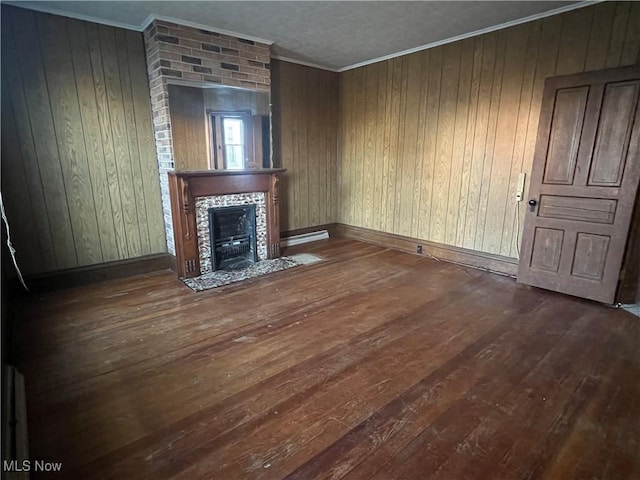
(186, 186)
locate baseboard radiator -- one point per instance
(304, 238)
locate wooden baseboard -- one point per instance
(462, 256)
(74, 277)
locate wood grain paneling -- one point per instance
(305, 125)
(78, 162)
(92, 138)
(150, 200)
(23, 68)
(65, 110)
(448, 130)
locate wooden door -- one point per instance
(583, 185)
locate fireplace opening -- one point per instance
(233, 237)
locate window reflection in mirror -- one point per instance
(215, 127)
(234, 143)
(231, 137)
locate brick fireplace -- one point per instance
(194, 194)
(178, 53)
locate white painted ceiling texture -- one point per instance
(330, 34)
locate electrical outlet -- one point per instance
(419, 249)
(520, 187)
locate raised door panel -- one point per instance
(564, 138)
(547, 247)
(596, 210)
(614, 133)
(590, 256)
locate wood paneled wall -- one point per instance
(431, 144)
(79, 174)
(305, 106)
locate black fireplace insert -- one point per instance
(233, 237)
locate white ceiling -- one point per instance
(330, 34)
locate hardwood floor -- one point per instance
(371, 364)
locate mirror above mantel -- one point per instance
(217, 127)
